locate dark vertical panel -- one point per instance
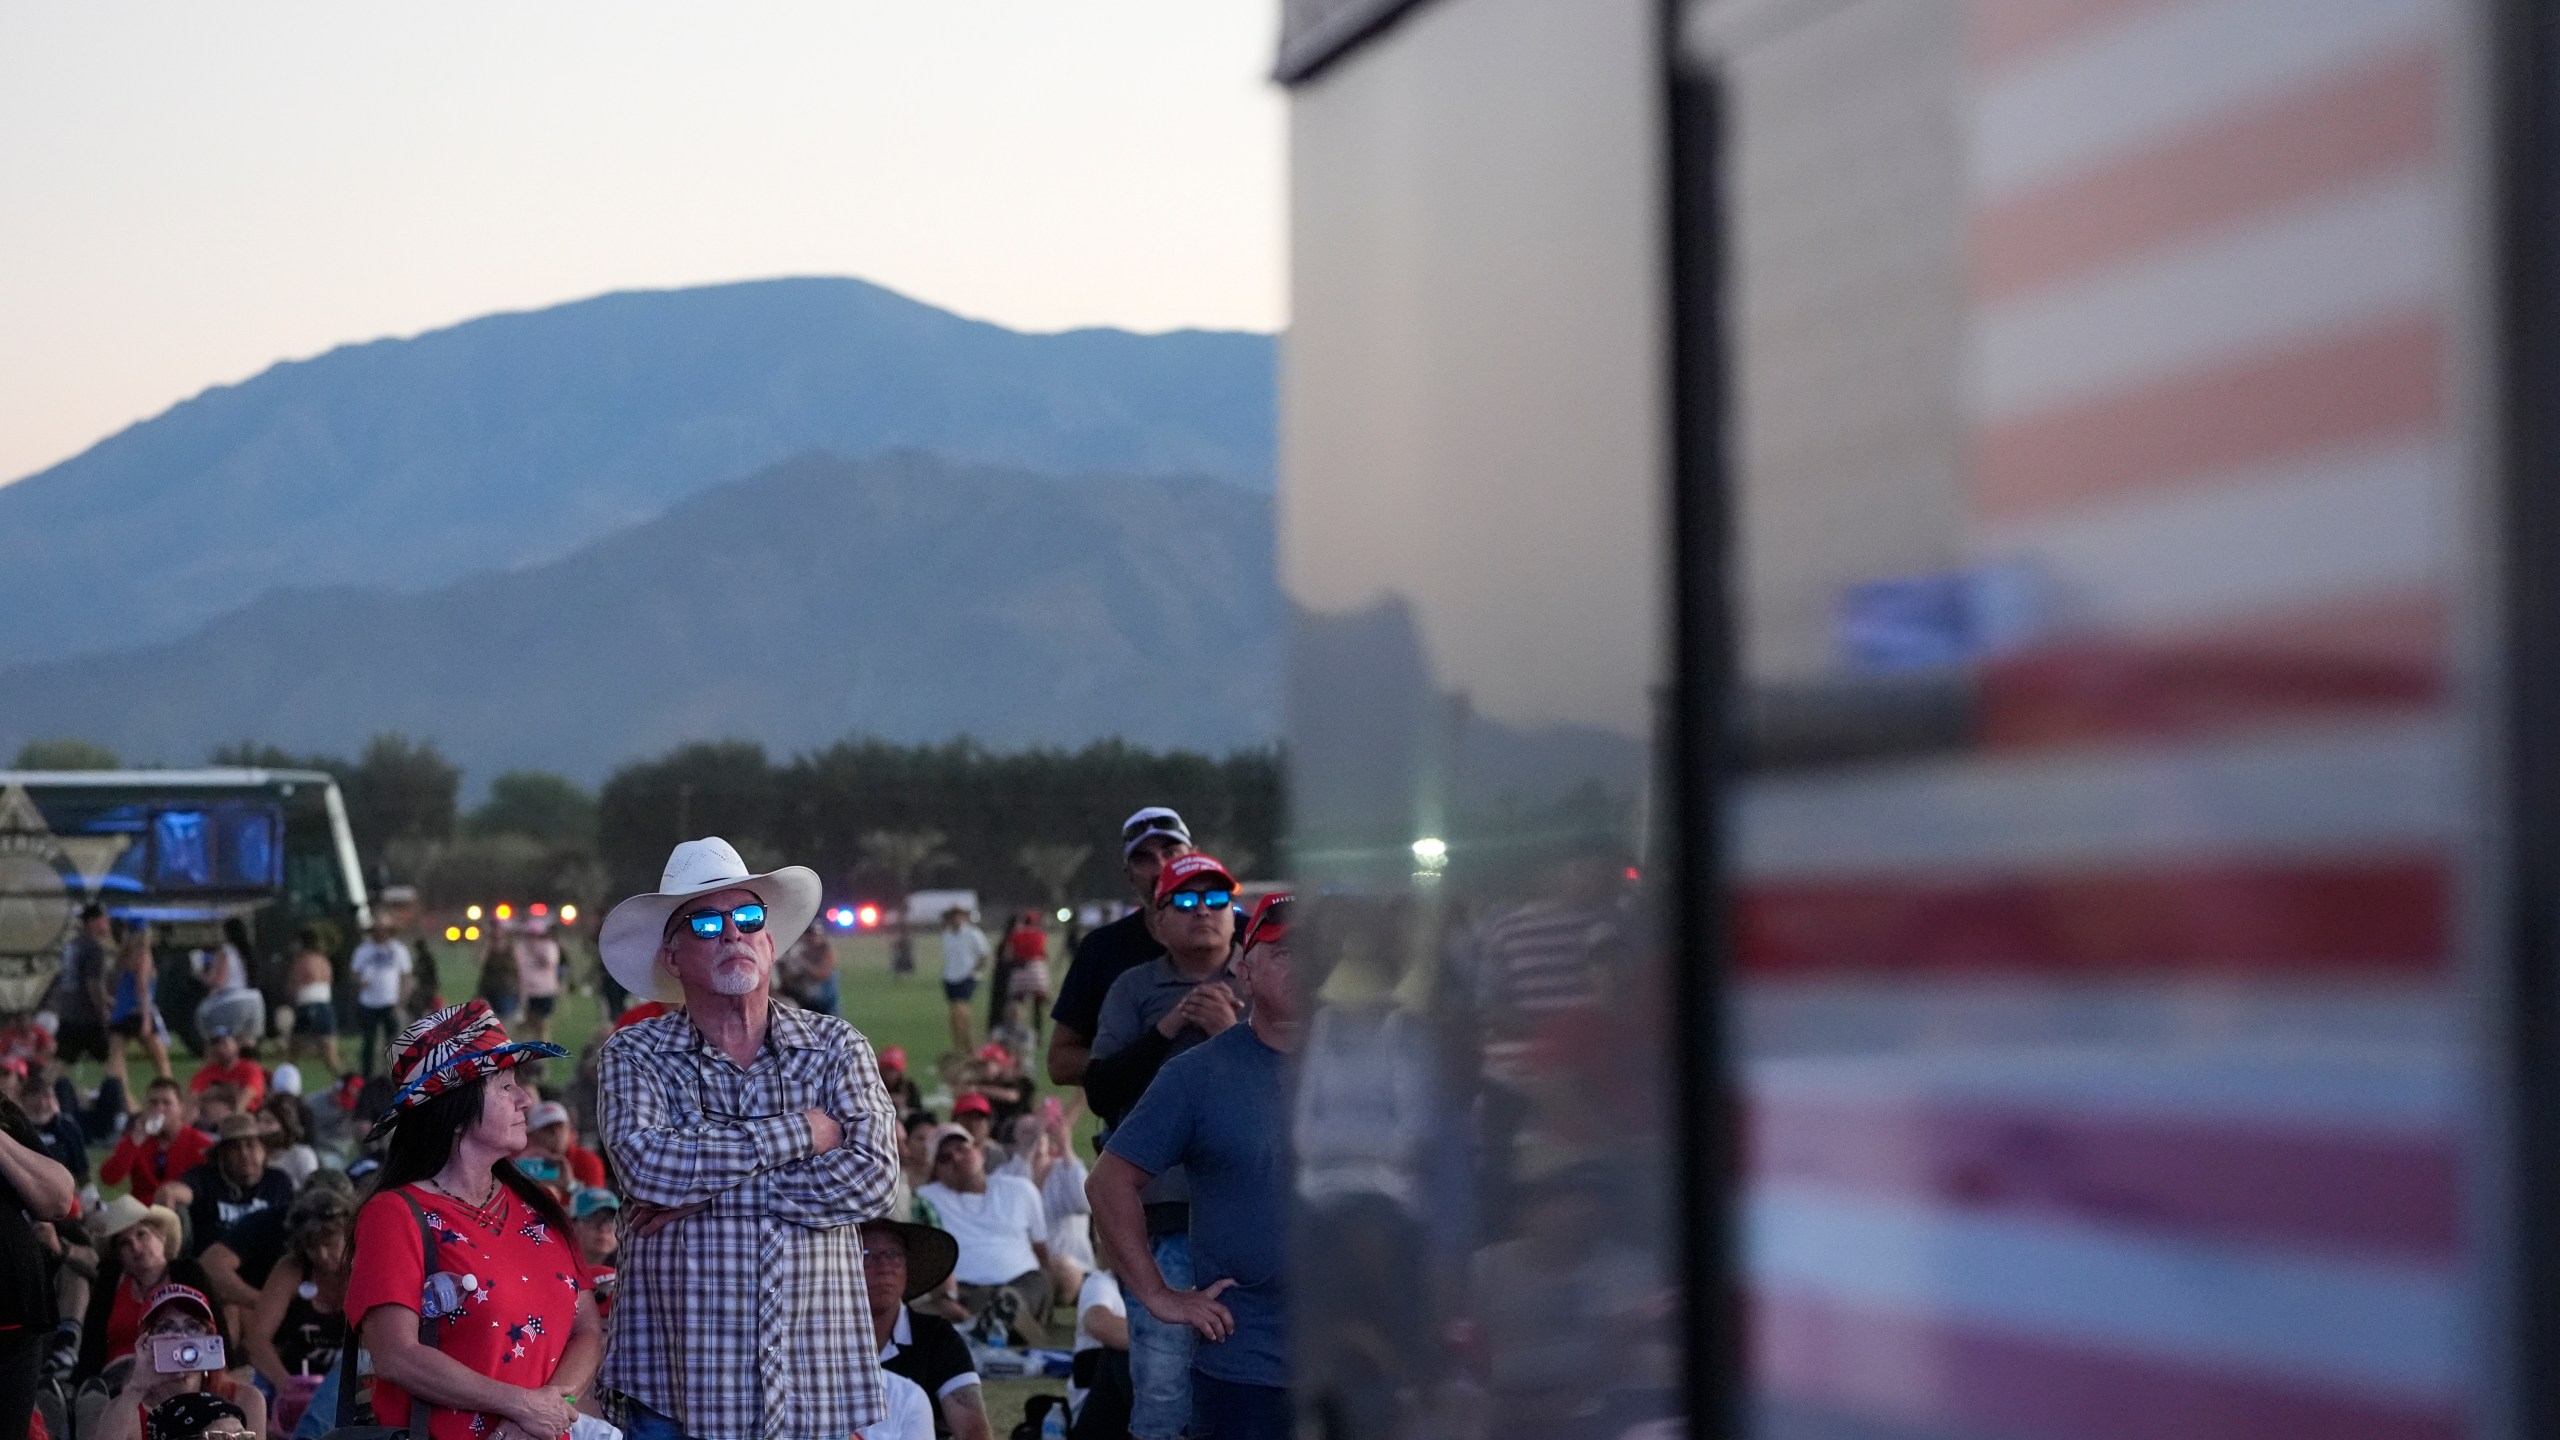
(1696, 757)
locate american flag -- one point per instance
(2108, 1076)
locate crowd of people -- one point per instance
(730, 1216)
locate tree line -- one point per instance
(873, 818)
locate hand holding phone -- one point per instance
(180, 1354)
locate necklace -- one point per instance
(483, 1209)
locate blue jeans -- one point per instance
(1160, 1354)
(639, 1422)
(1230, 1410)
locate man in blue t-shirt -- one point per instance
(1220, 1111)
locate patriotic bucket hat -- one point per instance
(450, 1049)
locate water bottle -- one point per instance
(1053, 1426)
(446, 1292)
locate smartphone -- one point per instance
(178, 1354)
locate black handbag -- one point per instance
(355, 1420)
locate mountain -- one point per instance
(408, 464)
(906, 596)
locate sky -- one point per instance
(190, 193)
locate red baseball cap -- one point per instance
(893, 1057)
(1270, 922)
(1183, 869)
(972, 1103)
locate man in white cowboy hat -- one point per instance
(753, 1139)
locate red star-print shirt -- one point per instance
(512, 1327)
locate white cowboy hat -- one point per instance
(631, 935)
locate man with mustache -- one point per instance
(753, 1139)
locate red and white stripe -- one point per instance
(2107, 1079)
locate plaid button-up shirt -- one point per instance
(748, 1321)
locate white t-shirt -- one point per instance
(538, 965)
(225, 968)
(380, 966)
(996, 1228)
(963, 951)
(910, 1414)
(1101, 1292)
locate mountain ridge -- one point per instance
(516, 438)
(907, 596)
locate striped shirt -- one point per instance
(748, 1321)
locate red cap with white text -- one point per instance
(1183, 869)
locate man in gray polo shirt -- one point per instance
(1152, 1013)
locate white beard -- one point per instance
(738, 979)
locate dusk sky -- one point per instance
(196, 192)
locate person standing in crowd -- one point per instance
(809, 971)
(295, 1330)
(1003, 1233)
(1148, 839)
(752, 1139)
(538, 975)
(1153, 1012)
(158, 1145)
(231, 1001)
(39, 1191)
(381, 967)
(901, 1263)
(1221, 1112)
(500, 984)
(175, 1311)
(964, 954)
(315, 1001)
(133, 1010)
(236, 1183)
(80, 1000)
(225, 1065)
(1027, 980)
(516, 1337)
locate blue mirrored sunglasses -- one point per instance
(1200, 899)
(706, 923)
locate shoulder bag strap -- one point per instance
(426, 1334)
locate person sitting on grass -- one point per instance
(236, 1183)
(553, 1156)
(299, 1323)
(225, 1065)
(160, 1144)
(1004, 1239)
(140, 1244)
(160, 1371)
(903, 1263)
(597, 1214)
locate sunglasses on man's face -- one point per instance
(1188, 901)
(706, 923)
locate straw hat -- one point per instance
(124, 1212)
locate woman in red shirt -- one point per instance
(516, 1340)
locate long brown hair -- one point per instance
(422, 1142)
